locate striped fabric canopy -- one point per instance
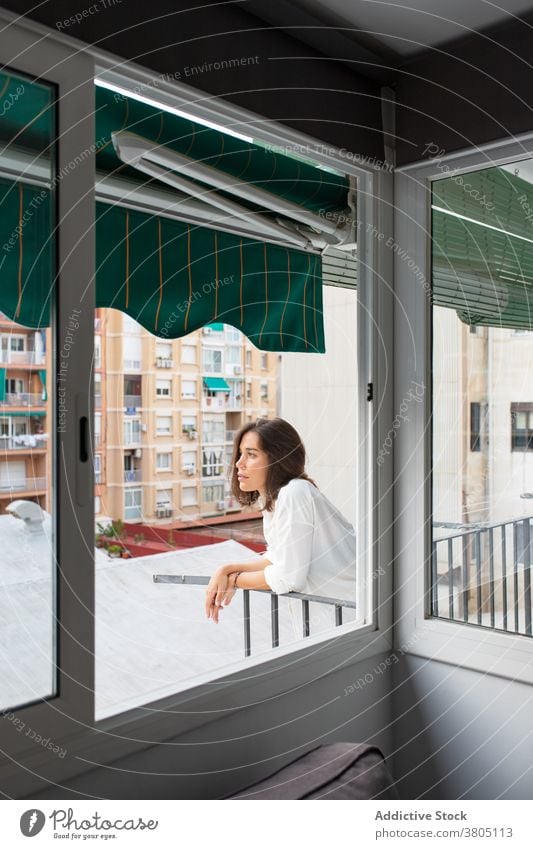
(483, 248)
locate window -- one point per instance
(163, 498)
(188, 388)
(163, 350)
(475, 426)
(97, 505)
(264, 391)
(213, 430)
(131, 352)
(98, 351)
(189, 496)
(97, 468)
(164, 461)
(248, 390)
(132, 431)
(14, 386)
(163, 425)
(478, 495)
(189, 424)
(264, 360)
(133, 499)
(213, 492)
(248, 358)
(188, 461)
(212, 462)
(163, 388)
(188, 354)
(233, 334)
(212, 360)
(233, 356)
(522, 427)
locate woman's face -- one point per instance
(252, 463)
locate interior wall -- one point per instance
(281, 79)
(476, 90)
(225, 756)
(460, 734)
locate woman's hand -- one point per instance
(219, 591)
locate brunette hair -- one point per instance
(286, 456)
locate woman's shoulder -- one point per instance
(297, 488)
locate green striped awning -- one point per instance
(483, 248)
(216, 384)
(171, 277)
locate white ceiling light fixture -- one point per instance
(182, 113)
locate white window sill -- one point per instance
(506, 655)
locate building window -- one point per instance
(264, 360)
(213, 430)
(133, 499)
(131, 352)
(188, 388)
(132, 431)
(233, 356)
(188, 462)
(475, 426)
(248, 390)
(189, 425)
(212, 360)
(163, 388)
(163, 498)
(97, 505)
(213, 492)
(164, 461)
(163, 350)
(522, 427)
(212, 462)
(163, 425)
(98, 352)
(97, 468)
(188, 354)
(264, 391)
(248, 358)
(189, 496)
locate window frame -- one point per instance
(461, 644)
(319, 654)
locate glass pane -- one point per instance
(483, 481)
(173, 510)
(28, 653)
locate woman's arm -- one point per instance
(221, 587)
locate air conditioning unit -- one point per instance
(159, 362)
(192, 434)
(237, 369)
(144, 428)
(221, 505)
(168, 363)
(138, 452)
(160, 512)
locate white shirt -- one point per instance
(310, 544)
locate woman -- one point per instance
(310, 544)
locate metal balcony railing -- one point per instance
(23, 485)
(133, 475)
(132, 400)
(482, 575)
(24, 399)
(23, 358)
(26, 440)
(337, 603)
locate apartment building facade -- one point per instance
(25, 414)
(166, 413)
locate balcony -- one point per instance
(133, 476)
(132, 400)
(22, 358)
(24, 399)
(24, 442)
(19, 485)
(336, 605)
(482, 575)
